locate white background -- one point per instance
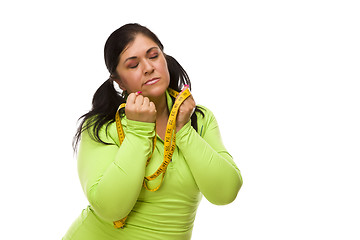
(281, 77)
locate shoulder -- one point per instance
(205, 119)
(204, 113)
(105, 132)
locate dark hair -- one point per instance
(106, 99)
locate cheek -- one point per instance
(164, 69)
(130, 80)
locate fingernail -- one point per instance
(139, 92)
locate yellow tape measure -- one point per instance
(169, 142)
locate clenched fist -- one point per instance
(186, 109)
(140, 108)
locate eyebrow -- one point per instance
(147, 52)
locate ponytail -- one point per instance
(179, 78)
(105, 102)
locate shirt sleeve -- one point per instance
(112, 175)
(213, 168)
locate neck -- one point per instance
(162, 115)
(162, 109)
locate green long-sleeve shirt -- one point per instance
(112, 177)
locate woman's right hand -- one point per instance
(140, 108)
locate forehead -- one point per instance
(138, 47)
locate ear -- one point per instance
(119, 82)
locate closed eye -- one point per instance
(134, 66)
(154, 56)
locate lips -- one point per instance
(152, 81)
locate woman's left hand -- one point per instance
(186, 109)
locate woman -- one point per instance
(122, 204)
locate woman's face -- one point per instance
(142, 67)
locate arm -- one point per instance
(213, 168)
(112, 177)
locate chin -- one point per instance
(156, 91)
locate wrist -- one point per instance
(182, 130)
(141, 128)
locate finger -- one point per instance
(152, 106)
(183, 89)
(189, 102)
(146, 102)
(191, 99)
(131, 98)
(139, 100)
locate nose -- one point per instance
(148, 67)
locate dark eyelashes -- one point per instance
(153, 57)
(134, 66)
